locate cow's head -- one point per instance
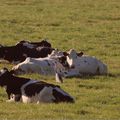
(4, 77)
(72, 56)
(45, 43)
(60, 56)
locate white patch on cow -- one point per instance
(70, 58)
(45, 95)
(25, 99)
(44, 66)
(87, 65)
(58, 78)
(28, 45)
(56, 54)
(102, 68)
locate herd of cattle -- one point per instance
(41, 58)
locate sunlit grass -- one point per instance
(91, 26)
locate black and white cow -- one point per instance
(86, 64)
(55, 64)
(12, 53)
(18, 53)
(43, 43)
(31, 91)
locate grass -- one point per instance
(91, 26)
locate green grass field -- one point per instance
(91, 26)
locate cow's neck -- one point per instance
(16, 82)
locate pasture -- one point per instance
(91, 26)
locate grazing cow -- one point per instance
(18, 53)
(43, 43)
(86, 64)
(32, 91)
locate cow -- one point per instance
(43, 43)
(43, 66)
(86, 64)
(12, 53)
(55, 64)
(18, 53)
(31, 91)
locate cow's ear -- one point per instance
(80, 54)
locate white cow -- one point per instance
(43, 66)
(86, 64)
(55, 64)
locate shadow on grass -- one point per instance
(87, 76)
(113, 75)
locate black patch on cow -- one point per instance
(19, 52)
(48, 63)
(59, 97)
(72, 67)
(43, 43)
(13, 84)
(63, 61)
(65, 73)
(35, 88)
(80, 54)
(16, 97)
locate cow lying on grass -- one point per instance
(86, 65)
(65, 64)
(31, 91)
(19, 52)
(52, 65)
(29, 44)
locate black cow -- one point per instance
(28, 90)
(19, 52)
(43, 43)
(12, 53)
